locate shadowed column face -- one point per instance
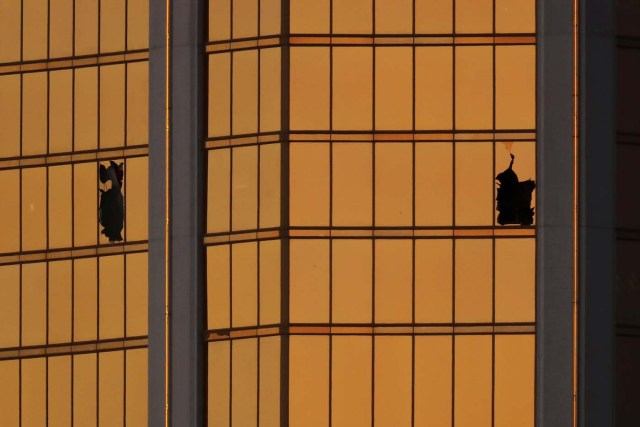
(407, 175)
(73, 266)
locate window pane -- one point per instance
(34, 208)
(352, 16)
(245, 92)
(84, 390)
(60, 111)
(472, 381)
(9, 110)
(433, 282)
(60, 302)
(10, 31)
(515, 16)
(515, 280)
(309, 281)
(309, 381)
(137, 102)
(269, 185)
(61, 28)
(137, 281)
(473, 281)
(219, 19)
(85, 219)
(136, 387)
(474, 184)
(514, 380)
(218, 188)
(432, 381)
(434, 88)
(351, 382)
(270, 382)
(434, 17)
(524, 165)
(112, 106)
(34, 392)
(269, 17)
(85, 299)
(10, 212)
(244, 284)
(474, 87)
(394, 88)
(10, 393)
(352, 88)
(112, 25)
(111, 297)
(269, 89)
(394, 184)
(219, 94)
(393, 281)
(9, 309)
(34, 304)
(86, 27)
(137, 24)
(245, 19)
(244, 382)
(85, 106)
(351, 288)
(244, 197)
(219, 383)
(269, 282)
(111, 388)
(309, 185)
(34, 32)
(309, 16)
(137, 198)
(59, 391)
(434, 184)
(515, 87)
(352, 192)
(394, 16)
(393, 380)
(218, 287)
(474, 16)
(34, 113)
(309, 87)
(60, 207)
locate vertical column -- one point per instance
(187, 108)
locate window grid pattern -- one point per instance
(406, 303)
(74, 95)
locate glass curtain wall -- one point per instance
(73, 304)
(358, 271)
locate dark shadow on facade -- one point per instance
(111, 211)
(514, 198)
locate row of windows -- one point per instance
(57, 206)
(109, 389)
(39, 29)
(362, 381)
(362, 184)
(85, 299)
(233, 19)
(74, 110)
(381, 281)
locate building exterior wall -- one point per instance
(73, 306)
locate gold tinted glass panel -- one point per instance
(474, 86)
(270, 381)
(432, 378)
(514, 380)
(351, 382)
(85, 299)
(34, 304)
(10, 26)
(269, 209)
(474, 184)
(244, 194)
(112, 25)
(60, 206)
(137, 24)
(112, 103)
(393, 281)
(270, 80)
(473, 281)
(86, 27)
(10, 392)
(434, 88)
(244, 284)
(515, 280)
(10, 213)
(309, 184)
(219, 382)
(33, 387)
(59, 391)
(309, 277)
(84, 390)
(137, 295)
(245, 92)
(219, 94)
(34, 113)
(352, 16)
(269, 17)
(515, 87)
(219, 19)
(474, 16)
(9, 306)
(351, 281)
(218, 287)
(85, 199)
(34, 30)
(309, 381)
(111, 296)
(434, 17)
(392, 379)
(60, 111)
(394, 16)
(434, 184)
(309, 87)
(515, 16)
(219, 191)
(245, 18)
(393, 184)
(269, 282)
(352, 88)
(34, 208)
(394, 88)
(433, 281)
(472, 383)
(85, 107)
(137, 103)
(309, 16)
(244, 382)
(136, 383)
(10, 112)
(137, 198)
(111, 388)
(60, 302)
(352, 182)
